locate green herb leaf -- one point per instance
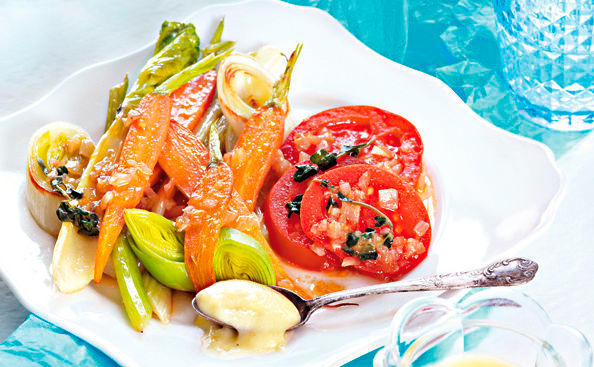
(86, 221)
(379, 221)
(388, 240)
(331, 203)
(62, 170)
(294, 206)
(326, 183)
(352, 239)
(323, 159)
(349, 251)
(371, 255)
(354, 150)
(304, 171)
(42, 165)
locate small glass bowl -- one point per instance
(495, 323)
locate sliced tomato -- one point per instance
(286, 236)
(381, 189)
(397, 146)
(190, 101)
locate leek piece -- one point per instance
(156, 233)
(159, 297)
(190, 72)
(170, 273)
(239, 256)
(136, 303)
(159, 247)
(117, 93)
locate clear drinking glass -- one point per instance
(547, 53)
(500, 324)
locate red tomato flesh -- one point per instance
(371, 185)
(397, 147)
(286, 236)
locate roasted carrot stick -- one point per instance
(189, 101)
(204, 216)
(258, 143)
(149, 124)
(184, 159)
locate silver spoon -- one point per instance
(503, 273)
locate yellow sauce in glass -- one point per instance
(472, 361)
(260, 315)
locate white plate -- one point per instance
(496, 189)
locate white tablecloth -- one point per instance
(41, 43)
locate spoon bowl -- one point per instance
(503, 273)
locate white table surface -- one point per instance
(41, 43)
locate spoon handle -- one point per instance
(503, 273)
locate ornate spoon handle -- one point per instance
(503, 273)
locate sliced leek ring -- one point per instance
(245, 82)
(58, 143)
(239, 256)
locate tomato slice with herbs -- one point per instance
(284, 227)
(367, 217)
(397, 145)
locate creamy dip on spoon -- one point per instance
(260, 315)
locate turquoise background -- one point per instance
(452, 40)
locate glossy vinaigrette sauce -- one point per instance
(260, 315)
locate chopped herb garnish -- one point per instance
(367, 235)
(354, 150)
(43, 166)
(371, 255)
(62, 170)
(86, 221)
(294, 206)
(331, 203)
(323, 159)
(74, 193)
(379, 221)
(388, 240)
(325, 183)
(304, 171)
(349, 251)
(357, 243)
(352, 239)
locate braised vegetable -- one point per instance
(116, 97)
(174, 57)
(176, 49)
(57, 154)
(256, 147)
(148, 129)
(239, 256)
(183, 159)
(136, 303)
(159, 297)
(245, 83)
(155, 232)
(170, 273)
(203, 218)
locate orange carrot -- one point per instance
(254, 152)
(190, 101)
(149, 124)
(260, 140)
(203, 218)
(183, 159)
